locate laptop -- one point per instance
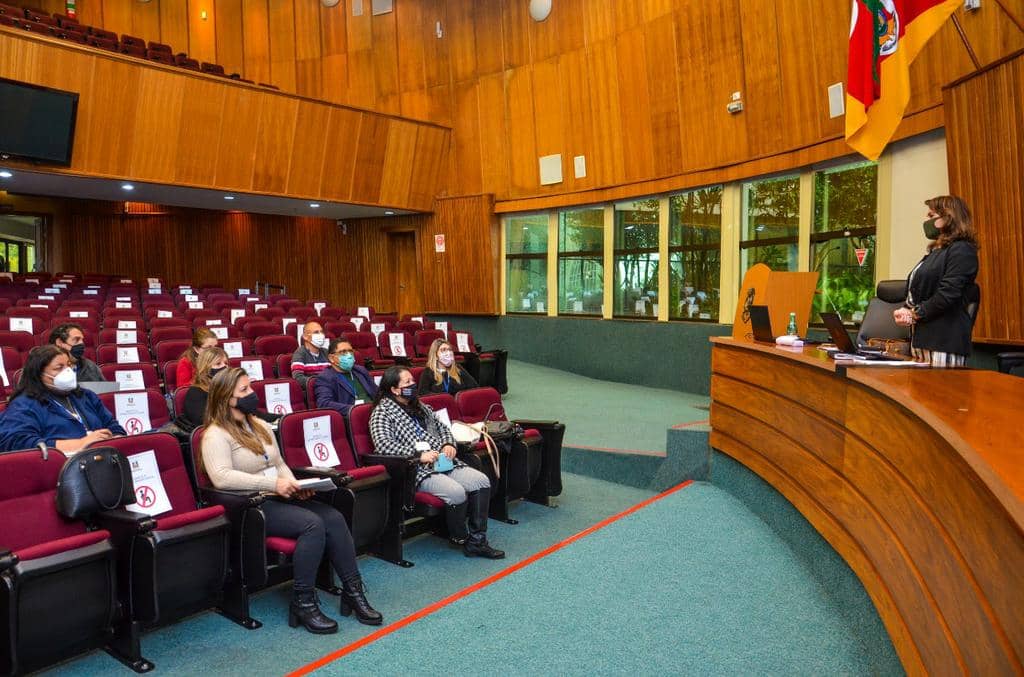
(100, 387)
(842, 339)
(761, 324)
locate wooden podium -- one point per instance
(783, 293)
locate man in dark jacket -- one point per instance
(344, 384)
(71, 338)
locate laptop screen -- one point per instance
(837, 331)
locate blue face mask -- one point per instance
(346, 362)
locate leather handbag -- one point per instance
(94, 480)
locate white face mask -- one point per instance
(446, 358)
(66, 381)
(319, 340)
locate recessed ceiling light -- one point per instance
(389, 213)
(314, 205)
(127, 186)
(229, 197)
(5, 174)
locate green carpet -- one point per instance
(693, 584)
(600, 414)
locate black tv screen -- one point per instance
(36, 123)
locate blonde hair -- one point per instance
(198, 337)
(218, 413)
(437, 367)
(201, 379)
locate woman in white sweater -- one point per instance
(239, 452)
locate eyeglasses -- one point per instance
(345, 352)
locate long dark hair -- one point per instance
(959, 225)
(31, 383)
(390, 380)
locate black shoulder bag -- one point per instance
(94, 480)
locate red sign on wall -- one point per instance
(439, 243)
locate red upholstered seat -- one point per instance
(429, 499)
(62, 545)
(184, 519)
(423, 339)
(366, 471)
(274, 344)
(296, 398)
(285, 546)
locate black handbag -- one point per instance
(503, 430)
(94, 480)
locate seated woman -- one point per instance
(202, 338)
(443, 374)
(211, 362)
(239, 452)
(401, 425)
(345, 384)
(48, 406)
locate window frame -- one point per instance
(581, 254)
(543, 256)
(707, 246)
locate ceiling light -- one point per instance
(229, 197)
(5, 174)
(127, 186)
(314, 205)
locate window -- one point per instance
(695, 235)
(771, 224)
(636, 259)
(843, 239)
(581, 261)
(526, 263)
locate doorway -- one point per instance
(19, 237)
(408, 293)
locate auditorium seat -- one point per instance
(133, 41)
(102, 43)
(111, 353)
(422, 340)
(398, 346)
(124, 336)
(236, 347)
(338, 327)
(11, 360)
(160, 57)
(160, 47)
(129, 408)
(11, 12)
(275, 344)
(258, 368)
(132, 376)
(375, 522)
(18, 340)
(156, 322)
(270, 313)
(212, 69)
(184, 61)
(280, 395)
(89, 326)
(180, 333)
(408, 326)
(365, 346)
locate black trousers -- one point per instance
(315, 526)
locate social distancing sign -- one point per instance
(132, 412)
(150, 494)
(319, 446)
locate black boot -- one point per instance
(477, 545)
(455, 516)
(353, 598)
(304, 609)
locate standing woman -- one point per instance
(941, 285)
(442, 373)
(202, 338)
(401, 425)
(239, 452)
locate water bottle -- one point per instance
(791, 328)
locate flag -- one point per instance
(885, 37)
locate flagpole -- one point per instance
(967, 44)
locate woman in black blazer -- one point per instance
(941, 286)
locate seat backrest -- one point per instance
(462, 341)
(170, 349)
(280, 395)
(138, 411)
(179, 400)
(396, 344)
(422, 340)
(28, 499)
(111, 353)
(11, 360)
(878, 322)
(124, 337)
(257, 367)
(275, 344)
(257, 329)
(359, 428)
(174, 473)
(132, 376)
(158, 334)
(444, 401)
(169, 370)
(237, 347)
(891, 291)
(15, 320)
(271, 313)
(476, 404)
(338, 327)
(19, 340)
(409, 326)
(295, 429)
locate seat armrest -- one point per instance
(533, 423)
(123, 522)
(1009, 360)
(339, 477)
(232, 500)
(7, 560)
(403, 474)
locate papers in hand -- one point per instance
(317, 484)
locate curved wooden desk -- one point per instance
(915, 477)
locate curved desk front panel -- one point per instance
(915, 476)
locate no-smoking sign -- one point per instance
(321, 452)
(145, 496)
(133, 426)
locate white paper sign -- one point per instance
(46, 297)
(577, 306)
(128, 355)
(90, 292)
(195, 305)
(442, 415)
(254, 368)
(259, 306)
(418, 319)
(220, 332)
(191, 297)
(215, 321)
(278, 399)
(243, 292)
(316, 433)
(377, 378)
(441, 327)
(130, 379)
(122, 298)
(126, 282)
(155, 290)
(319, 307)
(640, 306)
(527, 302)
(51, 290)
(132, 412)
(127, 324)
(153, 281)
(363, 311)
(299, 328)
(38, 305)
(184, 289)
(21, 324)
(122, 304)
(236, 313)
(150, 495)
(79, 313)
(249, 299)
(285, 321)
(232, 348)
(397, 342)
(377, 328)
(127, 336)
(3, 371)
(358, 322)
(164, 313)
(462, 342)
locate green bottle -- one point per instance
(791, 329)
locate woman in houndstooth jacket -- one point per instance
(401, 425)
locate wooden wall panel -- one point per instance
(256, 38)
(173, 24)
(229, 33)
(202, 33)
(522, 137)
(549, 115)
(987, 170)
(281, 23)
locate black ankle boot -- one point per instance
(477, 545)
(304, 609)
(353, 598)
(455, 517)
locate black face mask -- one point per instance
(78, 352)
(214, 372)
(248, 404)
(931, 231)
(409, 392)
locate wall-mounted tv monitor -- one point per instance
(36, 123)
